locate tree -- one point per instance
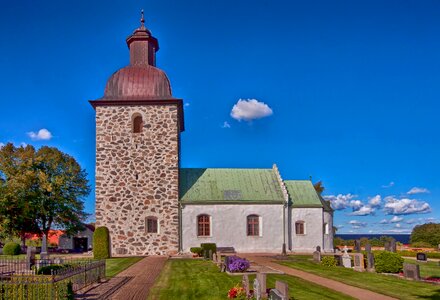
(428, 233)
(319, 188)
(40, 189)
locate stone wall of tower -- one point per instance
(137, 175)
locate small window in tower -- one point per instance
(152, 225)
(137, 124)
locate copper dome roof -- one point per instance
(141, 82)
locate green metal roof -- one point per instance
(302, 193)
(229, 186)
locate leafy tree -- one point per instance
(427, 233)
(40, 190)
(319, 187)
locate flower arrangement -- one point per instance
(237, 292)
(237, 264)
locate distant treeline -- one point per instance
(374, 242)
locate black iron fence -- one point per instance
(60, 281)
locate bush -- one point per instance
(11, 248)
(238, 264)
(328, 261)
(428, 233)
(421, 245)
(388, 262)
(209, 246)
(47, 270)
(196, 250)
(101, 243)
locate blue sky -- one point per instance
(346, 91)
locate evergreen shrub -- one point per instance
(196, 250)
(11, 248)
(101, 243)
(388, 262)
(209, 246)
(328, 261)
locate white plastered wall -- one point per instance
(313, 227)
(228, 227)
(328, 238)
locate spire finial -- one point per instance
(142, 19)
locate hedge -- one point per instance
(388, 262)
(11, 248)
(209, 246)
(328, 261)
(196, 250)
(101, 243)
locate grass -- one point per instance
(116, 265)
(187, 279)
(384, 284)
(427, 269)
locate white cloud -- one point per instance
(340, 201)
(356, 204)
(430, 220)
(375, 201)
(250, 109)
(384, 221)
(363, 211)
(226, 125)
(356, 223)
(411, 221)
(396, 219)
(1, 145)
(394, 206)
(42, 135)
(418, 190)
(388, 185)
(397, 225)
(397, 231)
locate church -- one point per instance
(152, 206)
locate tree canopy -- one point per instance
(319, 187)
(40, 189)
(428, 233)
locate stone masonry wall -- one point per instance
(137, 177)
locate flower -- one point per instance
(236, 292)
(237, 264)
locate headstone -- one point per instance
(210, 254)
(276, 295)
(227, 263)
(262, 279)
(359, 262)
(346, 259)
(368, 247)
(357, 245)
(370, 262)
(387, 246)
(30, 257)
(43, 254)
(393, 246)
(257, 289)
(317, 256)
(223, 267)
(245, 284)
(422, 257)
(214, 257)
(283, 288)
(318, 248)
(338, 259)
(205, 254)
(411, 271)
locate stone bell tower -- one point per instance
(138, 126)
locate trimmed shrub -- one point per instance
(209, 246)
(196, 250)
(11, 248)
(421, 245)
(328, 261)
(47, 270)
(101, 243)
(388, 262)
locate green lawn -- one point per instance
(384, 284)
(115, 265)
(427, 269)
(186, 279)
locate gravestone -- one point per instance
(227, 263)
(210, 254)
(43, 254)
(370, 262)
(317, 256)
(318, 248)
(30, 257)
(357, 245)
(276, 295)
(368, 247)
(411, 271)
(262, 279)
(257, 289)
(359, 262)
(214, 257)
(283, 288)
(422, 257)
(338, 259)
(393, 246)
(387, 246)
(346, 259)
(245, 284)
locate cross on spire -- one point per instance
(142, 19)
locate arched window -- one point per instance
(300, 227)
(151, 225)
(203, 225)
(253, 225)
(137, 124)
